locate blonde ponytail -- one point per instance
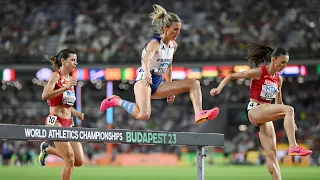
(160, 17)
(158, 13)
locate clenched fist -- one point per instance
(215, 91)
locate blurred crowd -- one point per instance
(116, 31)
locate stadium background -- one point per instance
(109, 36)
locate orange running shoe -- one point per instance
(206, 115)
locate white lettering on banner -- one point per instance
(63, 134)
(72, 134)
(96, 135)
(35, 133)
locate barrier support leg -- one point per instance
(200, 162)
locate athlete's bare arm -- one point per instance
(252, 73)
(79, 115)
(278, 99)
(151, 50)
(169, 73)
(48, 91)
(169, 70)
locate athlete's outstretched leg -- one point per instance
(177, 87)
(270, 112)
(46, 149)
(192, 86)
(141, 110)
(53, 151)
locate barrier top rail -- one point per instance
(123, 136)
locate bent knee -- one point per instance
(289, 109)
(194, 83)
(143, 116)
(197, 82)
(271, 153)
(69, 159)
(79, 162)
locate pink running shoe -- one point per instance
(299, 151)
(206, 115)
(108, 102)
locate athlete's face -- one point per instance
(173, 31)
(70, 63)
(280, 62)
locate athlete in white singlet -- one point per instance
(159, 63)
(156, 60)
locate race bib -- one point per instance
(163, 67)
(140, 75)
(51, 120)
(268, 92)
(251, 105)
(68, 98)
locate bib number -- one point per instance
(268, 92)
(68, 98)
(251, 105)
(51, 120)
(163, 67)
(140, 76)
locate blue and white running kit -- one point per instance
(159, 63)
